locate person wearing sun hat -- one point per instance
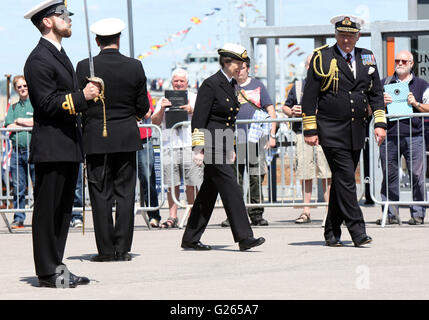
(343, 85)
(111, 138)
(56, 144)
(213, 122)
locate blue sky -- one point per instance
(154, 21)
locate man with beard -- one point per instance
(56, 144)
(410, 143)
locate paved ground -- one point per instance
(292, 264)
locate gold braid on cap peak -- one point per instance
(331, 76)
(197, 138)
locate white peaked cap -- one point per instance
(107, 27)
(358, 21)
(233, 50)
(41, 7)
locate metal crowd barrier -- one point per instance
(152, 156)
(12, 156)
(406, 189)
(6, 185)
(280, 185)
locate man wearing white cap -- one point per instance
(111, 138)
(213, 122)
(56, 144)
(342, 83)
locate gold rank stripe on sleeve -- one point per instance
(309, 122)
(197, 138)
(379, 116)
(68, 104)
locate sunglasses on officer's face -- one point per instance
(22, 86)
(397, 61)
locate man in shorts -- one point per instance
(310, 161)
(178, 149)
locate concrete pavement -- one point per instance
(292, 264)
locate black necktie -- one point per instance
(66, 58)
(349, 59)
(234, 87)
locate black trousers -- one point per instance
(343, 203)
(53, 202)
(112, 178)
(218, 179)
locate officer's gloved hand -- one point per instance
(198, 157)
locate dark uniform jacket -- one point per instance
(125, 99)
(215, 114)
(56, 99)
(340, 118)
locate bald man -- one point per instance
(411, 146)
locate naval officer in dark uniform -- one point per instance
(56, 144)
(342, 83)
(111, 138)
(213, 126)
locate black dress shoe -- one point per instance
(123, 256)
(103, 258)
(260, 222)
(389, 220)
(57, 280)
(79, 280)
(416, 220)
(248, 243)
(362, 240)
(195, 246)
(333, 242)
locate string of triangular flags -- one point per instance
(295, 49)
(253, 7)
(180, 34)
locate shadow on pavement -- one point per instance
(33, 281)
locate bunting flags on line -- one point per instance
(253, 7)
(180, 34)
(296, 49)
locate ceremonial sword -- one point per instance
(92, 76)
(100, 81)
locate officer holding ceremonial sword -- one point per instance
(111, 139)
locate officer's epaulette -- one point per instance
(331, 77)
(321, 48)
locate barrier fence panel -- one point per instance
(271, 177)
(398, 166)
(150, 195)
(17, 176)
(15, 167)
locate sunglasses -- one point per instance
(65, 17)
(23, 86)
(397, 61)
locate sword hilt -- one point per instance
(101, 97)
